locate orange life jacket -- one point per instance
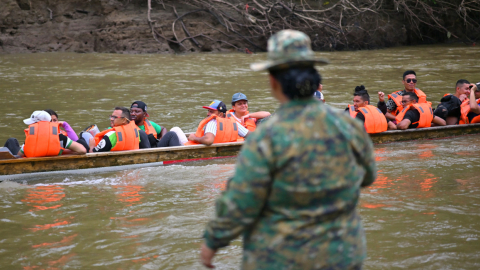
(149, 129)
(375, 121)
(426, 114)
(42, 140)
(227, 130)
(351, 111)
(249, 123)
(128, 137)
(422, 98)
(464, 110)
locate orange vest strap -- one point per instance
(149, 129)
(227, 130)
(351, 111)
(249, 123)
(464, 110)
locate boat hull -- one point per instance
(155, 155)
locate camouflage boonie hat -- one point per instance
(288, 48)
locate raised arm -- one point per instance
(473, 103)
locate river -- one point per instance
(421, 213)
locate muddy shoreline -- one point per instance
(110, 26)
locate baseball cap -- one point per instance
(318, 95)
(239, 96)
(38, 116)
(288, 48)
(217, 105)
(140, 105)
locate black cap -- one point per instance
(139, 104)
(217, 105)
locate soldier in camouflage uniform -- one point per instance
(298, 176)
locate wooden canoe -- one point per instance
(158, 156)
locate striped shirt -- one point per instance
(211, 127)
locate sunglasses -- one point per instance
(411, 80)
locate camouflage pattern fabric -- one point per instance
(295, 190)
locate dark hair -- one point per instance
(298, 82)
(360, 91)
(51, 112)
(408, 72)
(411, 95)
(460, 82)
(125, 112)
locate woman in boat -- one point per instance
(239, 112)
(67, 129)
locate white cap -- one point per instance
(38, 116)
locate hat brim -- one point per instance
(209, 108)
(287, 63)
(29, 121)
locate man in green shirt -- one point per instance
(139, 114)
(297, 180)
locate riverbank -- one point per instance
(110, 26)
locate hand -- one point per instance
(462, 97)
(473, 87)
(91, 144)
(192, 137)
(381, 96)
(206, 256)
(60, 123)
(243, 118)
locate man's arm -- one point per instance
(77, 148)
(240, 205)
(390, 116)
(259, 115)
(404, 124)
(163, 131)
(206, 139)
(437, 121)
(391, 126)
(473, 103)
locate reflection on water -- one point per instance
(422, 212)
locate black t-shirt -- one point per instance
(414, 116)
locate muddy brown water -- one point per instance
(421, 213)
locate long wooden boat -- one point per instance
(22, 168)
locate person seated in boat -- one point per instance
(139, 114)
(217, 128)
(67, 129)
(239, 112)
(415, 114)
(123, 134)
(394, 102)
(374, 120)
(470, 110)
(452, 106)
(43, 139)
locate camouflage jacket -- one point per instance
(295, 191)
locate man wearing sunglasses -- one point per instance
(394, 103)
(124, 134)
(415, 114)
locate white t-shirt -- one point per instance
(211, 127)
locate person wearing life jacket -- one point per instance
(124, 134)
(416, 115)
(139, 114)
(451, 105)
(374, 120)
(394, 102)
(470, 110)
(217, 128)
(239, 112)
(67, 129)
(43, 138)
